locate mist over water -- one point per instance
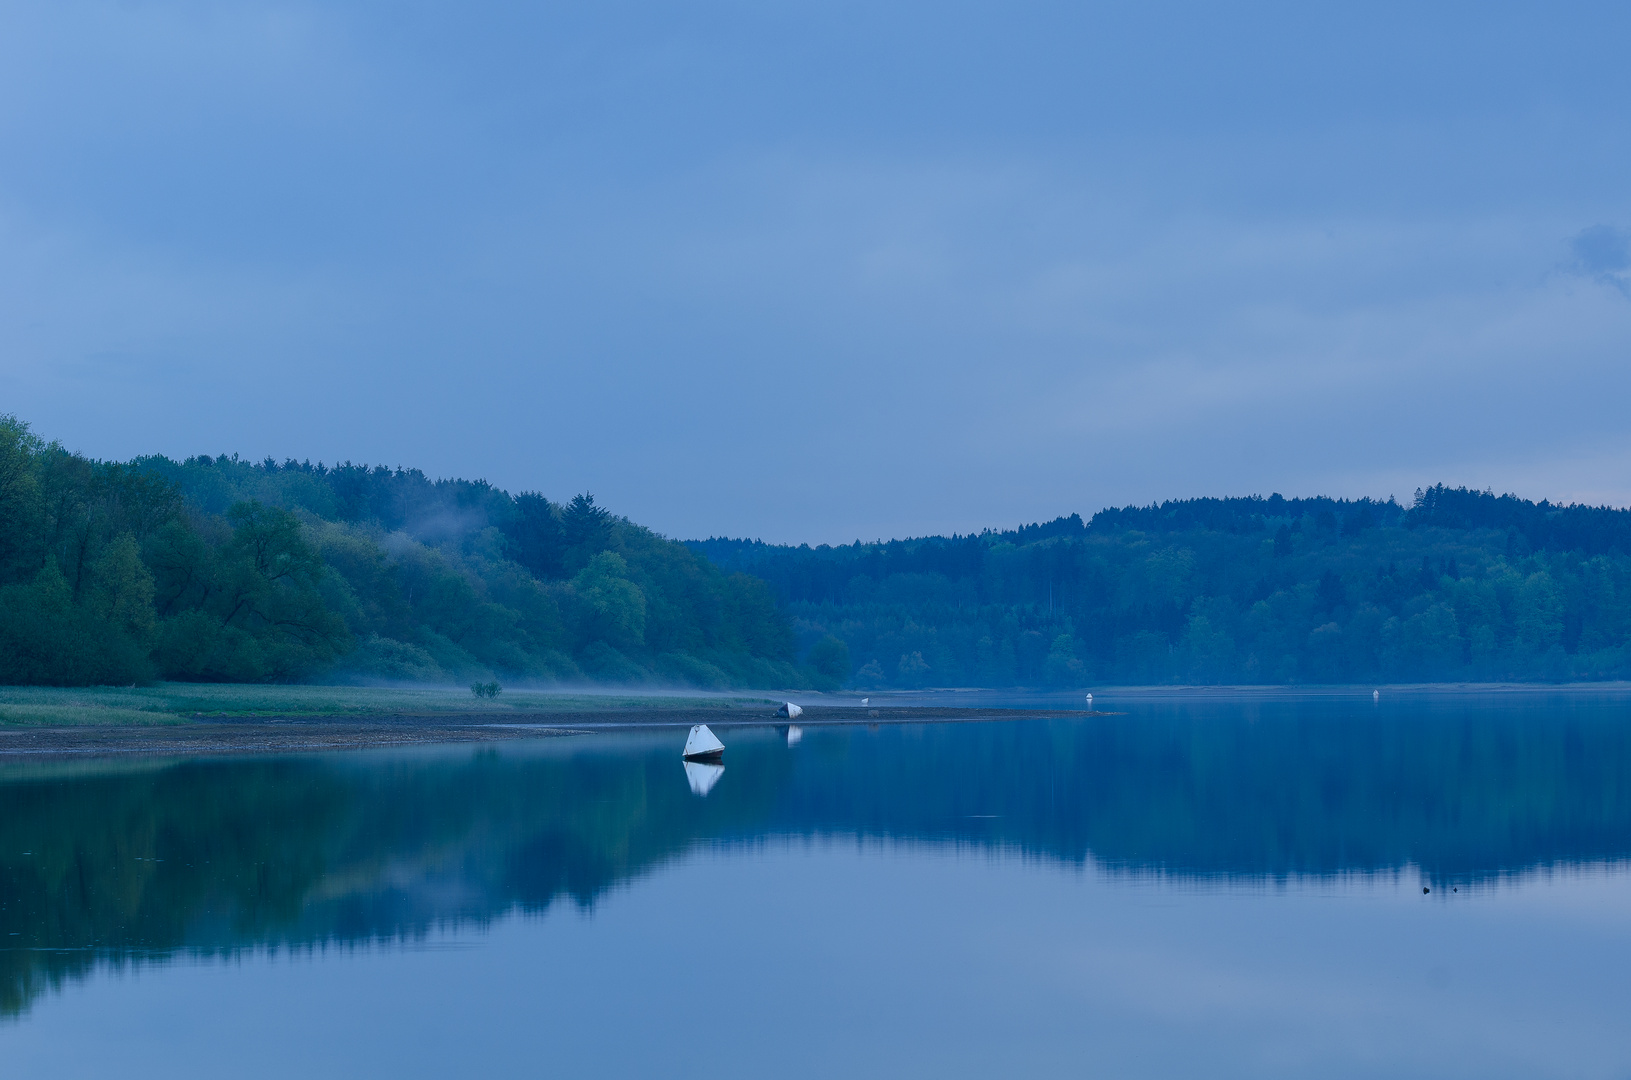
(1225, 885)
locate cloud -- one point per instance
(1603, 253)
(975, 265)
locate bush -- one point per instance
(829, 659)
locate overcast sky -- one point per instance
(827, 270)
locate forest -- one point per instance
(216, 569)
(1460, 585)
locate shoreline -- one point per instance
(304, 733)
(195, 720)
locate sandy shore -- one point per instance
(287, 734)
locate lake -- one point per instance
(1432, 885)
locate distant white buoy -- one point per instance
(1090, 701)
(1376, 695)
(702, 745)
(789, 710)
(794, 734)
(702, 776)
(865, 700)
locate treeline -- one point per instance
(1461, 585)
(220, 569)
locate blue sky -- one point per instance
(829, 270)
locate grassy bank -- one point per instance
(177, 703)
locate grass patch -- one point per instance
(72, 713)
(170, 703)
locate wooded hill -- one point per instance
(219, 569)
(1461, 585)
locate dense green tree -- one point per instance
(1461, 585)
(829, 658)
(217, 568)
(613, 607)
(20, 531)
(536, 535)
(586, 530)
(47, 638)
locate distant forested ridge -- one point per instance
(1462, 585)
(219, 569)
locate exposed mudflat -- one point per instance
(286, 734)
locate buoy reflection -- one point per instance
(702, 776)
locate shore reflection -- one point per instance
(144, 858)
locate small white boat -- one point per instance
(702, 745)
(794, 734)
(789, 710)
(702, 776)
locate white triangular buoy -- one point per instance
(702, 745)
(789, 710)
(702, 776)
(865, 700)
(794, 734)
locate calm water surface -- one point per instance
(1197, 887)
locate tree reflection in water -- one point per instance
(109, 863)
